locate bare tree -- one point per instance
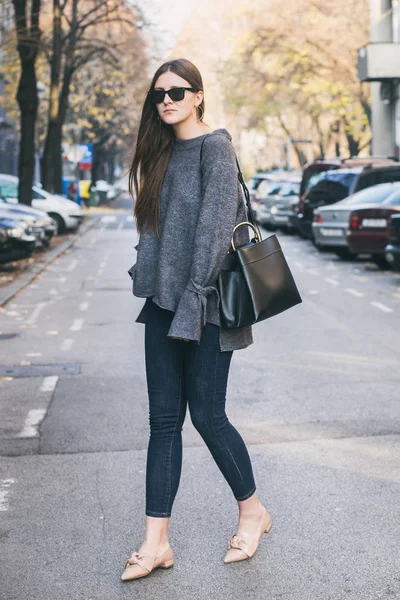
(28, 39)
(83, 31)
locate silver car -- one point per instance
(275, 200)
(331, 222)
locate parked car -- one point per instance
(369, 227)
(67, 214)
(327, 188)
(16, 240)
(43, 226)
(392, 250)
(333, 186)
(333, 228)
(277, 189)
(312, 170)
(254, 182)
(278, 207)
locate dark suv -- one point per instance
(337, 183)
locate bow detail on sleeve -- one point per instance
(203, 293)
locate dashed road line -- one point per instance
(49, 383)
(76, 325)
(331, 281)
(5, 485)
(35, 313)
(72, 266)
(67, 344)
(382, 307)
(84, 306)
(354, 292)
(32, 421)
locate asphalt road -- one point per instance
(316, 398)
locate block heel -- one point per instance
(167, 565)
(269, 527)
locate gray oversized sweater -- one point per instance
(199, 207)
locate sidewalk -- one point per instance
(25, 271)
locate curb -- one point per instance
(32, 271)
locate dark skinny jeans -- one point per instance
(178, 374)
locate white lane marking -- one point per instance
(84, 306)
(32, 421)
(354, 292)
(52, 332)
(89, 294)
(121, 224)
(129, 219)
(12, 313)
(382, 307)
(332, 281)
(34, 354)
(49, 383)
(109, 219)
(299, 265)
(5, 485)
(313, 292)
(54, 292)
(72, 265)
(76, 325)
(102, 264)
(312, 272)
(35, 313)
(67, 344)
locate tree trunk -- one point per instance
(28, 105)
(27, 94)
(51, 179)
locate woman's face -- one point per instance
(171, 112)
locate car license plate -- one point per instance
(334, 232)
(374, 223)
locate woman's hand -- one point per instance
(179, 338)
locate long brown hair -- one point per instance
(153, 148)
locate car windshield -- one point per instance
(254, 182)
(344, 177)
(312, 180)
(393, 199)
(290, 188)
(373, 195)
(269, 188)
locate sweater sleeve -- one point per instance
(212, 237)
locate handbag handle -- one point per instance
(250, 215)
(250, 225)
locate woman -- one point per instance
(188, 200)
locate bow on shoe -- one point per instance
(143, 560)
(236, 542)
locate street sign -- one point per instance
(86, 162)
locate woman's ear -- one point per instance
(200, 96)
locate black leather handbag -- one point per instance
(255, 281)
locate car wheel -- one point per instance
(60, 222)
(381, 262)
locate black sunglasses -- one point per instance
(176, 94)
